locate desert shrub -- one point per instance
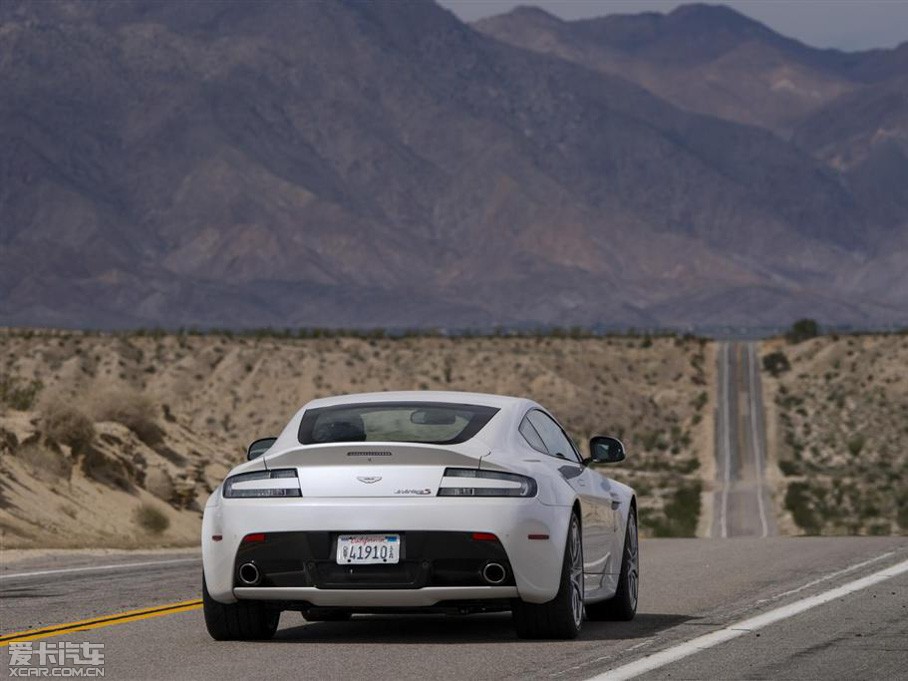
(902, 516)
(46, 463)
(151, 519)
(642, 487)
(689, 466)
(681, 513)
(652, 439)
(133, 410)
(67, 425)
(802, 330)
(776, 363)
(789, 468)
(856, 444)
(797, 500)
(18, 394)
(837, 397)
(8, 442)
(788, 401)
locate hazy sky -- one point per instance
(845, 24)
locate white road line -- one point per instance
(733, 631)
(726, 440)
(580, 666)
(826, 578)
(758, 452)
(93, 568)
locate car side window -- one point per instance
(556, 442)
(531, 436)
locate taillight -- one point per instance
(278, 483)
(472, 482)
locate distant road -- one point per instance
(781, 608)
(742, 504)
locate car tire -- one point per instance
(623, 605)
(241, 621)
(326, 614)
(561, 617)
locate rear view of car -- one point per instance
(387, 502)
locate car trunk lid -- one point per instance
(357, 470)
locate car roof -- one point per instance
(455, 397)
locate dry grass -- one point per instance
(151, 519)
(62, 422)
(133, 409)
(18, 394)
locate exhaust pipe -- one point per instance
(249, 574)
(494, 573)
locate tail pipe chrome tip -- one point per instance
(249, 574)
(494, 573)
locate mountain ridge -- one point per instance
(344, 164)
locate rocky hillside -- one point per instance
(707, 58)
(838, 412)
(366, 164)
(116, 440)
(704, 58)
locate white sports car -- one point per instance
(420, 501)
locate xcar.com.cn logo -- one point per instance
(55, 660)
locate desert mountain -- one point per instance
(384, 164)
(705, 58)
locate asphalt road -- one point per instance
(690, 588)
(741, 505)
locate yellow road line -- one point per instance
(99, 622)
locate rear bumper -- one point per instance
(376, 598)
(534, 565)
(426, 559)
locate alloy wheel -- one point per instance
(632, 560)
(576, 562)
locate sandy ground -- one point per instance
(836, 421)
(837, 428)
(142, 480)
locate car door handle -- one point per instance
(616, 503)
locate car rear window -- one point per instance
(438, 423)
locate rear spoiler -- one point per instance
(468, 455)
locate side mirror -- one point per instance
(606, 450)
(259, 447)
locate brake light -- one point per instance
(254, 538)
(484, 536)
(472, 482)
(275, 483)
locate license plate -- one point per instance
(368, 549)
